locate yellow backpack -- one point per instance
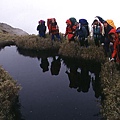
(110, 22)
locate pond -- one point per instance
(53, 88)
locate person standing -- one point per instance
(41, 28)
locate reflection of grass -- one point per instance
(110, 81)
(8, 92)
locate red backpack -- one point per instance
(49, 21)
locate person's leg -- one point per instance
(52, 37)
(58, 36)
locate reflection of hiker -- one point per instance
(44, 64)
(55, 66)
(74, 77)
(96, 85)
(41, 28)
(85, 80)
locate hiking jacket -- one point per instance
(116, 52)
(107, 30)
(114, 32)
(41, 28)
(54, 28)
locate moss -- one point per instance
(8, 93)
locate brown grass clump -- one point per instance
(8, 92)
(110, 82)
(33, 42)
(73, 49)
(69, 49)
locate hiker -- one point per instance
(81, 33)
(106, 39)
(97, 32)
(116, 51)
(112, 37)
(53, 29)
(70, 30)
(41, 28)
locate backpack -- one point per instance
(42, 22)
(83, 22)
(73, 21)
(82, 32)
(49, 21)
(111, 23)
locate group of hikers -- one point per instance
(104, 33)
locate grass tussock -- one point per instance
(33, 42)
(75, 51)
(8, 92)
(110, 82)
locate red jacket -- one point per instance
(70, 30)
(113, 31)
(116, 52)
(54, 28)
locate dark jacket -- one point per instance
(41, 28)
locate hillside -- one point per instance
(7, 29)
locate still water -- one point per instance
(53, 88)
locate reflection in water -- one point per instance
(55, 66)
(44, 64)
(79, 74)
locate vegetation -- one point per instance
(8, 93)
(110, 82)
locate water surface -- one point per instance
(53, 88)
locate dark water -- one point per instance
(53, 88)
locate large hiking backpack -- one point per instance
(111, 23)
(42, 22)
(73, 20)
(49, 21)
(83, 22)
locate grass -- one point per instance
(8, 93)
(110, 82)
